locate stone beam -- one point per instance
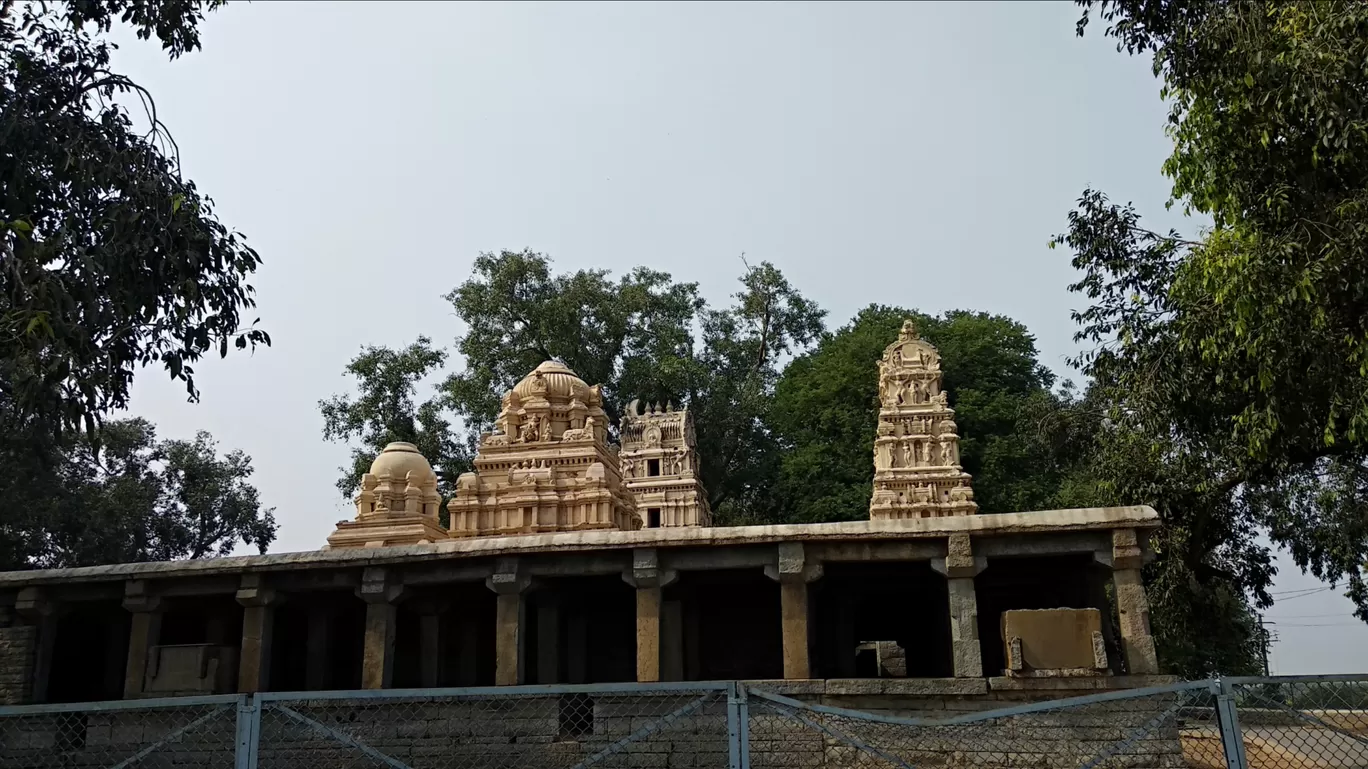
(258, 602)
(649, 579)
(380, 589)
(794, 569)
(960, 566)
(143, 634)
(510, 582)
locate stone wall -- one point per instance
(17, 645)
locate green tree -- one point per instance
(384, 410)
(641, 335)
(826, 409)
(122, 495)
(112, 260)
(1230, 368)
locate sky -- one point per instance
(919, 155)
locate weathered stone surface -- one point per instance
(397, 503)
(189, 669)
(1053, 639)
(16, 660)
(546, 467)
(917, 472)
(1022, 525)
(659, 463)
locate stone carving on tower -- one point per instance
(917, 471)
(547, 466)
(397, 503)
(660, 466)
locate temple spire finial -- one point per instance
(909, 331)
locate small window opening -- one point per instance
(866, 662)
(653, 518)
(576, 715)
(653, 467)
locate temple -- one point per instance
(569, 560)
(917, 472)
(547, 466)
(660, 466)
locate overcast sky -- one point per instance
(911, 154)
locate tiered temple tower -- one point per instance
(660, 466)
(547, 466)
(397, 504)
(917, 472)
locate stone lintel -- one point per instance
(646, 571)
(253, 591)
(139, 598)
(510, 577)
(379, 585)
(959, 561)
(794, 564)
(907, 550)
(1042, 544)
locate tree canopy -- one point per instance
(1229, 367)
(110, 260)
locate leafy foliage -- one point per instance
(1229, 370)
(123, 495)
(109, 259)
(826, 410)
(384, 411)
(639, 336)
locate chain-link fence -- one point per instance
(1245, 723)
(150, 734)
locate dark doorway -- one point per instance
(89, 653)
(863, 603)
(1039, 582)
(731, 625)
(582, 630)
(318, 642)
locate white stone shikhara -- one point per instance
(660, 466)
(917, 471)
(547, 467)
(397, 503)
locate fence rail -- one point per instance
(1293, 722)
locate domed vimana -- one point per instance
(397, 503)
(547, 465)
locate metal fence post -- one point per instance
(1228, 718)
(248, 733)
(738, 727)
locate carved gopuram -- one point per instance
(917, 471)
(547, 466)
(660, 466)
(397, 504)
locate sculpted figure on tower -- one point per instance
(917, 471)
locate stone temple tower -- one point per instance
(660, 466)
(917, 471)
(547, 466)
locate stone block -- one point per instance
(1052, 639)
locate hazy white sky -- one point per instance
(910, 154)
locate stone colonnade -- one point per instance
(381, 588)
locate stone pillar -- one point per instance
(380, 589)
(430, 647)
(959, 566)
(794, 570)
(649, 580)
(1132, 605)
(509, 582)
(34, 606)
(258, 629)
(142, 636)
(318, 648)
